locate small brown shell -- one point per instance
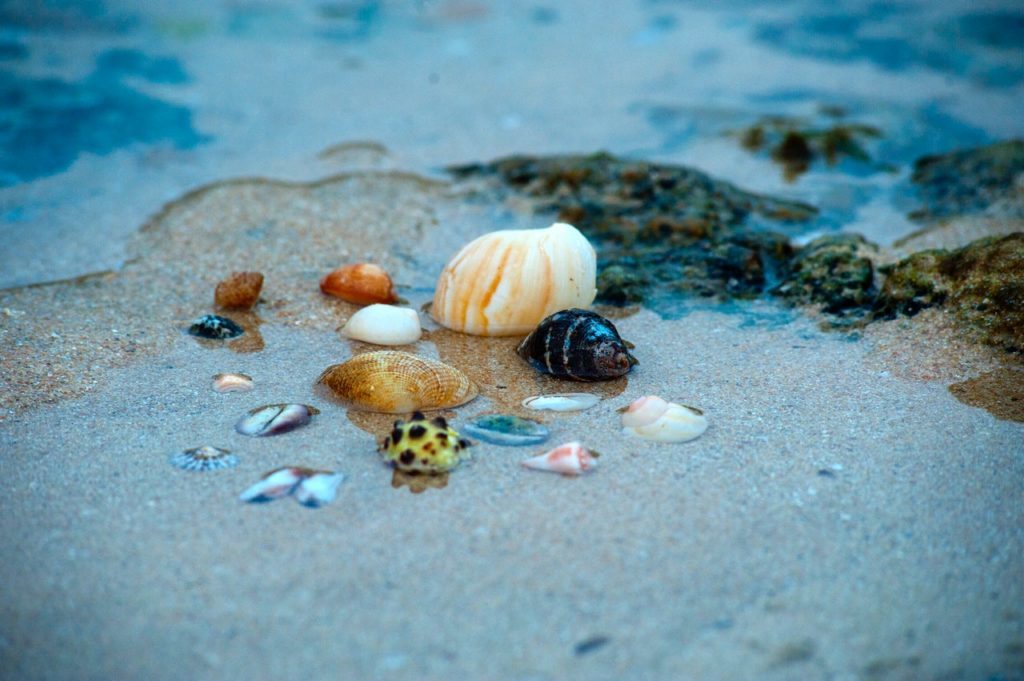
(362, 284)
(396, 382)
(239, 291)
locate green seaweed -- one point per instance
(795, 143)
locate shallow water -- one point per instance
(116, 107)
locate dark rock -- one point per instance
(617, 285)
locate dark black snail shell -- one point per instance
(577, 344)
(216, 327)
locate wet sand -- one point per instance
(844, 516)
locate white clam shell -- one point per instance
(318, 489)
(232, 383)
(274, 485)
(309, 487)
(572, 458)
(652, 418)
(504, 283)
(383, 325)
(562, 402)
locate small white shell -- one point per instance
(383, 325)
(504, 283)
(274, 485)
(274, 419)
(310, 487)
(652, 418)
(572, 458)
(562, 401)
(319, 489)
(232, 383)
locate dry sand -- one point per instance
(844, 517)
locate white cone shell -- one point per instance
(652, 418)
(572, 458)
(383, 325)
(504, 283)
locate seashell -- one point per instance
(274, 419)
(577, 344)
(383, 325)
(504, 283)
(215, 327)
(562, 401)
(512, 431)
(240, 291)
(205, 458)
(232, 383)
(652, 418)
(395, 382)
(310, 487)
(572, 458)
(273, 485)
(422, 446)
(362, 284)
(318, 489)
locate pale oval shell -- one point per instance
(562, 401)
(652, 418)
(383, 325)
(504, 283)
(274, 419)
(232, 383)
(395, 382)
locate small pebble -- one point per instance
(240, 291)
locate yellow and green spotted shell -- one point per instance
(422, 446)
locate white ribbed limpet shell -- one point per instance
(504, 283)
(652, 418)
(383, 325)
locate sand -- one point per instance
(845, 517)
(839, 519)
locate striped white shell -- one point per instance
(504, 283)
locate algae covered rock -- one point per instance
(981, 284)
(833, 271)
(660, 230)
(971, 181)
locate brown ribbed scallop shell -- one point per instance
(396, 382)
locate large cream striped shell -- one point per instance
(396, 382)
(504, 283)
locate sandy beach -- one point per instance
(848, 515)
